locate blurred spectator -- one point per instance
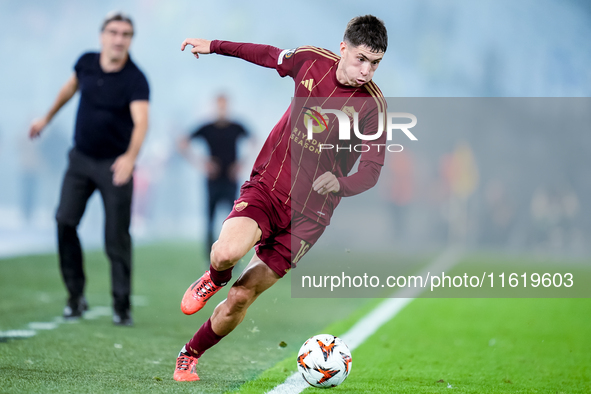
(222, 165)
(111, 125)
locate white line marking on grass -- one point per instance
(139, 300)
(16, 334)
(368, 325)
(97, 311)
(43, 325)
(293, 385)
(33, 327)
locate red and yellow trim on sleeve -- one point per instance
(319, 51)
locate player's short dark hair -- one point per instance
(369, 31)
(116, 16)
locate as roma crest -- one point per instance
(240, 206)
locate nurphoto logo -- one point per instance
(316, 121)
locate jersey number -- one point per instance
(304, 246)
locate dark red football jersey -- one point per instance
(289, 162)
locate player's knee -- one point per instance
(224, 256)
(240, 298)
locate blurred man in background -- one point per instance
(221, 167)
(111, 124)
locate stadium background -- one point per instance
(452, 49)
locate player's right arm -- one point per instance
(65, 94)
(200, 46)
(259, 54)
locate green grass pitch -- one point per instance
(432, 346)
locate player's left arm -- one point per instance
(370, 164)
(364, 179)
(123, 166)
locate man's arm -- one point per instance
(210, 166)
(65, 94)
(245, 139)
(262, 55)
(123, 166)
(200, 46)
(370, 164)
(184, 148)
(364, 179)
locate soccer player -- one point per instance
(294, 186)
(111, 124)
(222, 138)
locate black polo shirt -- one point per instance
(104, 123)
(222, 139)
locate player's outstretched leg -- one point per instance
(256, 278)
(238, 236)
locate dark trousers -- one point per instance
(219, 191)
(83, 176)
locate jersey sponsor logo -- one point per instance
(240, 206)
(285, 54)
(308, 84)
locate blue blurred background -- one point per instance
(453, 48)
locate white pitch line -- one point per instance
(97, 311)
(368, 325)
(43, 325)
(91, 314)
(16, 334)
